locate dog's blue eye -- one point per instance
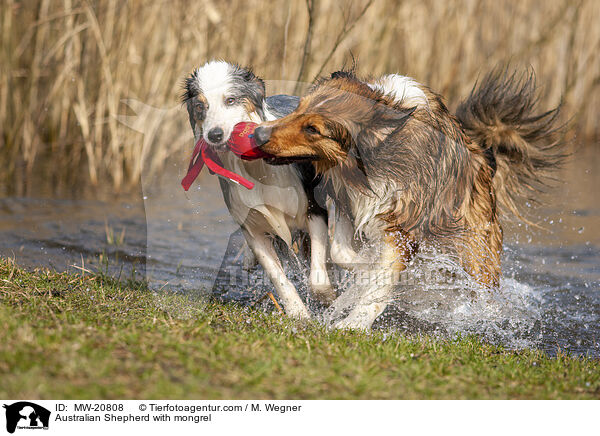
(229, 101)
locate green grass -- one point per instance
(72, 336)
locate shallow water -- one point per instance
(549, 296)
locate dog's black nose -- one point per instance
(262, 135)
(215, 135)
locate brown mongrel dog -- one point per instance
(405, 171)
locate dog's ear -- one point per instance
(257, 85)
(368, 148)
(190, 92)
(387, 120)
(253, 87)
(190, 108)
(354, 169)
(384, 123)
(250, 77)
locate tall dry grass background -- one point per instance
(89, 90)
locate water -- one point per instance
(549, 295)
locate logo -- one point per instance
(246, 130)
(26, 415)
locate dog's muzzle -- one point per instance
(215, 135)
(262, 135)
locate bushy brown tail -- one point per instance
(500, 116)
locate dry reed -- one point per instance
(89, 89)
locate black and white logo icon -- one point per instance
(26, 415)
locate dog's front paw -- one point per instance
(351, 324)
(298, 312)
(360, 318)
(323, 294)
(321, 288)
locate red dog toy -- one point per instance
(241, 142)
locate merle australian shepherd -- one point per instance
(218, 95)
(404, 171)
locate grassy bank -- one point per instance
(85, 336)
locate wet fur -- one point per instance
(405, 170)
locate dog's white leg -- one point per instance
(375, 288)
(373, 300)
(319, 279)
(265, 253)
(341, 250)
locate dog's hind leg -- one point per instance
(480, 251)
(377, 287)
(263, 249)
(320, 285)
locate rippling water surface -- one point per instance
(549, 295)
